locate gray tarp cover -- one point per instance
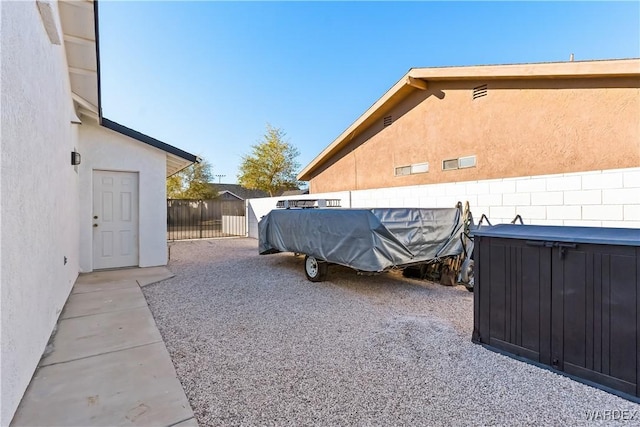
(364, 239)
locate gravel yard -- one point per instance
(255, 343)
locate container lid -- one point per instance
(554, 233)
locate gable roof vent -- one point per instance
(387, 121)
(479, 91)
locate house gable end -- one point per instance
(414, 79)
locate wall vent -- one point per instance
(459, 163)
(403, 170)
(387, 121)
(451, 164)
(479, 91)
(412, 169)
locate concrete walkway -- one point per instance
(109, 365)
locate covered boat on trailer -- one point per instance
(367, 240)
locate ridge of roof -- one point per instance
(418, 78)
(239, 191)
(230, 192)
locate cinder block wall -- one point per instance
(609, 198)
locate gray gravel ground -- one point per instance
(255, 343)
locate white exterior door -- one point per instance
(115, 219)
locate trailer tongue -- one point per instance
(367, 240)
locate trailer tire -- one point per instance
(466, 274)
(315, 270)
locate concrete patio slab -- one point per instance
(108, 365)
(108, 300)
(155, 278)
(191, 422)
(81, 288)
(147, 275)
(136, 386)
(102, 333)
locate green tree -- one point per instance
(272, 164)
(192, 182)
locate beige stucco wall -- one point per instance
(38, 196)
(521, 128)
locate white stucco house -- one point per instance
(59, 218)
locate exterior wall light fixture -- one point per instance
(75, 158)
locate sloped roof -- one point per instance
(173, 153)
(79, 21)
(239, 191)
(418, 79)
(295, 192)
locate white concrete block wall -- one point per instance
(600, 181)
(631, 213)
(609, 198)
(631, 179)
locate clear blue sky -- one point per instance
(208, 76)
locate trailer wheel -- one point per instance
(466, 274)
(316, 271)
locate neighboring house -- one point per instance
(63, 213)
(557, 143)
(452, 124)
(295, 192)
(237, 192)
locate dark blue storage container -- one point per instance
(564, 297)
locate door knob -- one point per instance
(95, 225)
(95, 217)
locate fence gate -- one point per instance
(200, 219)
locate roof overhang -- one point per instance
(177, 159)
(419, 78)
(79, 21)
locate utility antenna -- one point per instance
(220, 177)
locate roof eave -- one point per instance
(555, 70)
(397, 92)
(177, 159)
(77, 21)
(80, 30)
